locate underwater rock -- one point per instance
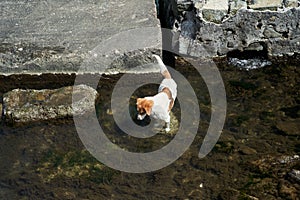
(288, 159)
(247, 150)
(283, 162)
(289, 128)
(295, 174)
(280, 168)
(22, 106)
(1, 111)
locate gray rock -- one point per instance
(254, 47)
(184, 5)
(249, 64)
(215, 10)
(22, 106)
(265, 4)
(269, 32)
(288, 159)
(199, 4)
(236, 5)
(295, 174)
(291, 3)
(276, 33)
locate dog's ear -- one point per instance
(139, 101)
(148, 106)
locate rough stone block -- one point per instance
(265, 4)
(22, 106)
(291, 3)
(237, 5)
(215, 10)
(199, 4)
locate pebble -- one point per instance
(247, 150)
(295, 174)
(288, 159)
(117, 52)
(1, 109)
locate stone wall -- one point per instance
(228, 25)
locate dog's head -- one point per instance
(144, 107)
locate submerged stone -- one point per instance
(295, 174)
(22, 106)
(1, 110)
(289, 127)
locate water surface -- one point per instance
(252, 159)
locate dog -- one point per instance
(160, 105)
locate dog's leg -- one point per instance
(171, 104)
(163, 69)
(167, 129)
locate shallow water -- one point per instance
(252, 159)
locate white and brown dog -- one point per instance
(159, 106)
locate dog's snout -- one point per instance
(141, 117)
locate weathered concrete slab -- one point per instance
(215, 10)
(265, 4)
(21, 106)
(56, 36)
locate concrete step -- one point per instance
(57, 36)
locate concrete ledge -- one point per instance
(57, 36)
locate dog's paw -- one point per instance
(167, 129)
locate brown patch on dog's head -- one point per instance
(144, 106)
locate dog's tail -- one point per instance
(163, 69)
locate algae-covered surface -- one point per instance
(256, 157)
